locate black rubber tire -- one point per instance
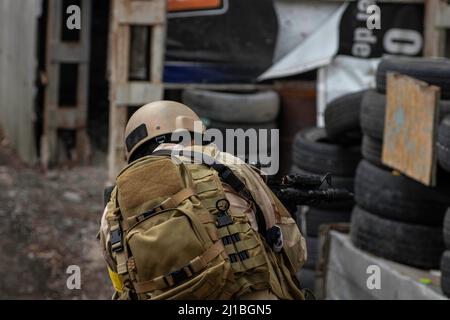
(447, 229)
(414, 245)
(342, 117)
(336, 182)
(443, 144)
(313, 151)
(431, 70)
(373, 106)
(371, 149)
(259, 107)
(399, 198)
(373, 109)
(315, 217)
(312, 248)
(445, 276)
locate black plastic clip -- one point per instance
(116, 240)
(223, 218)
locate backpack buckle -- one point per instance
(223, 218)
(180, 275)
(116, 240)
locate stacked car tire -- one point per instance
(445, 260)
(396, 217)
(225, 110)
(443, 146)
(334, 149)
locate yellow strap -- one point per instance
(115, 279)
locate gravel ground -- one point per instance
(49, 222)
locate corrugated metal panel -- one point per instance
(18, 34)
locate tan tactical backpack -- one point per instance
(171, 235)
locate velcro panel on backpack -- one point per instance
(242, 244)
(137, 195)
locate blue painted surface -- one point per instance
(194, 72)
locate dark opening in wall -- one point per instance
(140, 43)
(68, 85)
(67, 139)
(98, 107)
(70, 35)
(40, 85)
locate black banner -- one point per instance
(234, 46)
(400, 29)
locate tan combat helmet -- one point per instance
(157, 119)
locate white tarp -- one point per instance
(298, 20)
(343, 75)
(338, 43)
(316, 50)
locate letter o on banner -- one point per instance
(402, 41)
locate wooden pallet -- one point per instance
(125, 93)
(56, 116)
(437, 20)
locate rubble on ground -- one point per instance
(49, 222)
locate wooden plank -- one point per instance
(69, 118)
(69, 53)
(443, 19)
(434, 37)
(219, 86)
(141, 12)
(410, 127)
(138, 93)
(116, 151)
(123, 92)
(122, 58)
(157, 53)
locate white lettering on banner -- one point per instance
(402, 41)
